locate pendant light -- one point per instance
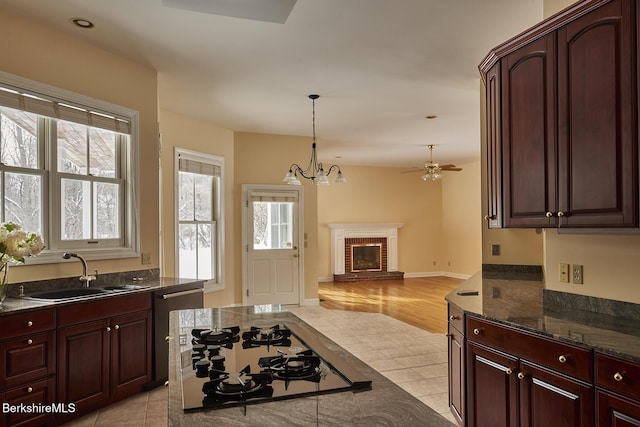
(314, 171)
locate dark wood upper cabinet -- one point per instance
(562, 140)
(597, 121)
(528, 134)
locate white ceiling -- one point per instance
(379, 66)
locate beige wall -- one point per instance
(45, 55)
(178, 131)
(378, 195)
(551, 7)
(264, 159)
(462, 220)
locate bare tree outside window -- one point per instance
(21, 179)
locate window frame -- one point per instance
(51, 204)
(218, 213)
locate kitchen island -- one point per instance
(383, 404)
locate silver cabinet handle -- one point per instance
(618, 376)
(179, 294)
(562, 359)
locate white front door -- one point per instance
(271, 246)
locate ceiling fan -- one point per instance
(432, 170)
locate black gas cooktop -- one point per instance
(229, 367)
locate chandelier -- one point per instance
(314, 171)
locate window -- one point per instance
(199, 219)
(66, 170)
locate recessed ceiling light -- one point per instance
(82, 23)
(431, 116)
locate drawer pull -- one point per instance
(167, 338)
(452, 317)
(521, 375)
(477, 331)
(29, 323)
(618, 376)
(29, 389)
(29, 341)
(509, 371)
(562, 358)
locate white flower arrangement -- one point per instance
(17, 244)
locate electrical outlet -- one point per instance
(563, 273)
(146, 258)
(577, 274)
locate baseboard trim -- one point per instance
(325, 279)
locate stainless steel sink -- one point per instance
(62, 294)
(122, 287)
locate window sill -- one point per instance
(55, 256)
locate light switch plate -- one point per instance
(563, 273)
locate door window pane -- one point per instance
(272, 225)
(18, 138)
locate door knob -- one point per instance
(295, 255)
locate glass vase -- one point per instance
(4, 282)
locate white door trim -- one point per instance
(246, 188)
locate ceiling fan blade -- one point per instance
(451, 168)
(412, 171)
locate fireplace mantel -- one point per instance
(340, 232)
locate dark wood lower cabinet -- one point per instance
(130, 353)
(492, 388)
(551, 399)
(456, 374)
(617, 411)
(37, 393)
(83, 372)
(104, 360)
(519, 379)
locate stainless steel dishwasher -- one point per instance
(178, 297)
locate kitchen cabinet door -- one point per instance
(551, 399)
(528, 108)
(616, 411)
(492, 388)
(83, 368)
(494, 147)
(130, 353)
(597, 120)
(456, 374)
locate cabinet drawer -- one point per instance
(41, 392)
(619, 375)
(15, 325)
(562, 357)
(456, 317)
(102, 308)
(28, 358)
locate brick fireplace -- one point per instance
(375, 244)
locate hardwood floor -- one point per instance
(417, 301)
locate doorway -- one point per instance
(272, 258)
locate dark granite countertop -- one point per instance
(385, 404)
(517, 298)
(146, 282)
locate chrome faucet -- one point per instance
(84, 278)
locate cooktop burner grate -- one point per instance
(278, 362)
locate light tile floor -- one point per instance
(414, 359)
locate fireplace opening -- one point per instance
(366, 257)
